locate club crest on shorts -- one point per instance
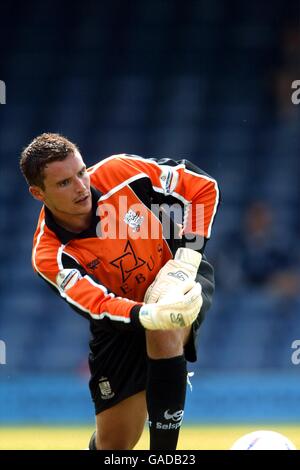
(105, 389)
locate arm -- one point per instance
(86, 295)
(186, 194)
(93, 300)
(180, 182)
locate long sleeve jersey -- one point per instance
(103, 272)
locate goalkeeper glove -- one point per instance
(173, 274)
(175, 310)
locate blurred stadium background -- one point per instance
(205, 80)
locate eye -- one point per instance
(81, 173)
(63, 183)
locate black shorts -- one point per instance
(118, 359)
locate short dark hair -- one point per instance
(44, 149)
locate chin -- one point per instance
(85, 209)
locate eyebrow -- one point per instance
(66, 179)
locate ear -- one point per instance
(37, 193)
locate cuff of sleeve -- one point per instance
(135, 318)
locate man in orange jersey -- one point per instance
(110, 242)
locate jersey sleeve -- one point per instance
(185, 182)
(88, 296)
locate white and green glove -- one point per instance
(174, 274)
(174, 310)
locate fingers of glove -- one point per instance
(194, 294)
(159, 288)
(189, 309)
(172, 274)
(150, 297)
(178, 268)
(183, 310)
(169, 290)
(180, 300)
(173, 312)
(173, 293)
(189, 256)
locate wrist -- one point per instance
(146, 317)
(135, 317)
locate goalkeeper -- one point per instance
(107, 245)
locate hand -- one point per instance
(175, 310)
(173, 275)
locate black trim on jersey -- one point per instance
(70, 263)
(188, 165)
(65, 235)
(170, 162)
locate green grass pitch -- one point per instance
(210, 437)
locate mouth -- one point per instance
(82, 199)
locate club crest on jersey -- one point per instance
(133, 220)
(67, 278)
(105, 389)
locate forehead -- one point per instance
(59, 170)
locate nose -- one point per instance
(79, 185)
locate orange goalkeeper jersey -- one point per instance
(104, 271)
